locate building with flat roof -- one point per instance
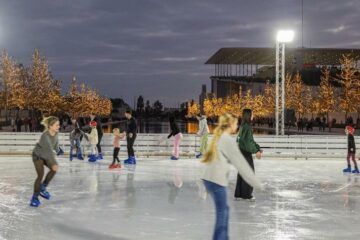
(250, 68)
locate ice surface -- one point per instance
(162, 199)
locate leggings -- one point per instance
(352, 156)
(39, 167)
(99, 141)
(116, 155)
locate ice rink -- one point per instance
(162, 199)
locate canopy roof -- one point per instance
(266, 56)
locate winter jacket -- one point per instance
(174, 129)
(218, 170)
(93, 136)
(131, 126)
(75, 134)
(98, 126)
(203, 127)
(246, 141)
(351, 144)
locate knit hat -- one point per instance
(93, 124)
(350, 129)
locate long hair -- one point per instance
(246, 116)
(49, 121)
(225, 122)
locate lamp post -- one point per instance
(283, 36)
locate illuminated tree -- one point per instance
(298, 95)
(193, 109)
(269, 99)
(350, 85)
(14, 91)
(325, 102)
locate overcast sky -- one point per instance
(157, 48)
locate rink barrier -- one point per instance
(293, 146)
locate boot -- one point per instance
(100, 156)
(35, 202)
(80, 156)
(347, 170)
(45, 194)
(92, 158)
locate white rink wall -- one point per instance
(292, 146)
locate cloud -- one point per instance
(339, 29)
(178, 59)
(157, 47)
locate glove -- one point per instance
(60, 152)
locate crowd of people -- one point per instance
(217, 156)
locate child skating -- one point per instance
(116, 142)
(351, 151)
(75, 136)
(44, 155)
(93, 139)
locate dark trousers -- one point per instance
(244, 190)
(98, 145)
(130, 144)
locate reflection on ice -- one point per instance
(163, 199)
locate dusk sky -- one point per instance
(157, 48)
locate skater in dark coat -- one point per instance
(130, 133)
(247, 146)
(349, 130)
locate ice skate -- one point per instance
(35, 202)
(43, 193)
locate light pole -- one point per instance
(282, 37)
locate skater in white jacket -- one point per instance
(93, 139)
(221, 154)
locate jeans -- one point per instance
(218, 193)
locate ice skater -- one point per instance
(75, 136)
(116, 142)
(93, 140)
(203, 133)
(100, 134)
(44, 155)
(349, 130)
(222, 152)
(175, 131)
(247, 146)
(131, 130)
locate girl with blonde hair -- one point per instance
(44, 155)
(221, 153)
